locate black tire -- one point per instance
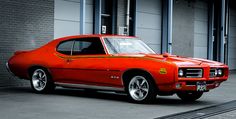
(90, 91)
(148, 85)
(189, 96)
(41, 81)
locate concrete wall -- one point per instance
(183, 28)
(24, 25)
(148, 22)
(200, 29)
(232, 37)
(67, 18)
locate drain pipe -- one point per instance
(127, 16)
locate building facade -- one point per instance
(194, 28)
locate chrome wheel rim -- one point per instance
(138, 88)
(39, 79)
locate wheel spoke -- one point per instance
(137, 83)
(144, 89)
(42, 82)
(133, 91)
(140, 93)
(35, 75)
(40, 74)
(38, 84)
(44, 75)
(143, 82)
(35, 83)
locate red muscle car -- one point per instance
(116, 63)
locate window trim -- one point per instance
(64, 42)
(81, 38)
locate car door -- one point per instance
(87, 63)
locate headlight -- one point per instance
(219, 72)
(216, 72)
(181, 73)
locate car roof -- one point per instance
(91, 36)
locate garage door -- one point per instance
(148, 22)
(200, 29)
(232, 37)
(67, 18)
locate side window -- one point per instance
(65, 47)
(88, 46)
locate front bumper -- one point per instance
(192, 85)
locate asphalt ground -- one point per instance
(23, 103)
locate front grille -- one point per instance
(213, 73)
(193, 73)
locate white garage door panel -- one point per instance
(200, 40)
(67, 18)
(201, 5)
(155, 47)
(232, 39)
(67, 10)
(233, 21)
(232, 31)
(232, 53)
(150, 36)
(89, 2)
(199, 16)
(232, 63)
(232, 43)
(200, 27)
(148, 22)
(89, 28)
(65, 28)
(89, 13)
(151, 21)
(200, 52)
(149, 6)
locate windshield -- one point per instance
(126, 45)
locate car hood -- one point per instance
(178, 60)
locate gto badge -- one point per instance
(162, 71)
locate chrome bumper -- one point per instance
(8, 69)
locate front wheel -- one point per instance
(41, 81)
(141, 89)
(189, 96)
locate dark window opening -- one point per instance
(88, 46)
(106, 17)
(65, 47)
(131, 19)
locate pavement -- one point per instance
(23, 103)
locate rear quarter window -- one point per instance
(65, 47)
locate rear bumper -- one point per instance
(8, 69)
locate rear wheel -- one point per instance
(141, 89)
(41, 81)
(189, 96)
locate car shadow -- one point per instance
(103, 95)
